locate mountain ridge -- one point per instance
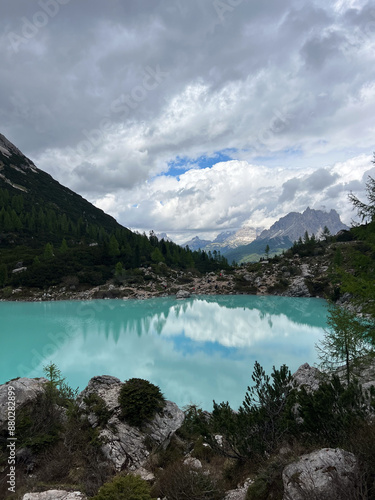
(295, 224)
(279, 236)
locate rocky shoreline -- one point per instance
(288, 276)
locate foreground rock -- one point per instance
(55, 495)
(26, 390)
(123, 445)
(325, 474)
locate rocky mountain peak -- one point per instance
(294, 224)
(10, 153)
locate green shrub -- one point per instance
(202, 450)
(7, 292)
(140, 401)
(333, 411)
(194, 423)
(179, 481)
(268, 484)
(124, 488)
(97, 405)
(262, 422)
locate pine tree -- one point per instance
(64, 246)
(119, 270)
(267, 250)
(157, 256)
(3, 274)
(48, 251)
(366, 211)
(346, 341)
(113, 248)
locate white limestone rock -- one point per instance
(124, 445)
(26, 390)
(55, 495)
(325, 474)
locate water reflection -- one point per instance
(195, 350)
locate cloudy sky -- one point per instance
(194, 117)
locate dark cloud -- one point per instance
(114, 92)
(320, 180)
(290, 188)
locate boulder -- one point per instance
(308, 376)
(123, 445)
(298, 288)
(325, 474)
(192, 462)
(26, 390)
(55, 495)
(182, 294)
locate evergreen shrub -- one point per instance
(140, 400)
(124, 488)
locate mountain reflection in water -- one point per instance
(196, 350)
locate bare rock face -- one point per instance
(123, 445)
(325, 474)
(55, 495)
(308, 376)
(26, 390)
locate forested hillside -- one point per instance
(48, 233)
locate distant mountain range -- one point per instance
(246, 245)
(225, 241)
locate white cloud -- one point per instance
(234, 193)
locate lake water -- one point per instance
(195, 350)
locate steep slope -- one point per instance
(50, 235)
(37, 191)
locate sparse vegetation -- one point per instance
(124, 488)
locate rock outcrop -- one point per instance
(123, 445)
(55, 495)
(294, 224)
(325, 474)
(308, 377)
(26, 390)
(182, 294)
(298, 288)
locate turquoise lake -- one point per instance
(195, 350)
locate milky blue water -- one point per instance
(195, 350)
